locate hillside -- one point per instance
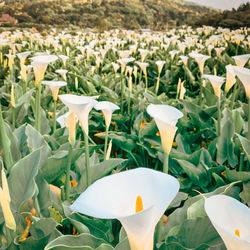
(106, 14)
(228, 19)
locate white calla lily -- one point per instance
(107, 108)
(244, 76)
(166, 118)
(231, 219)
(54, 87)
(63, 73)
(216, 82)
(230, 78)
(117, 197)
(40, 64)
(81, 106)
(5, 203)
(200, 59)
(241, 60)
(160, 65)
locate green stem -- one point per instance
(122, 90)
(36, 206)
(10, 236)
(146, 79)
(219, 118)
(129, 103)
(67, 182)
(13, 117)
(86, 140)
(234, 95)
(54, 121)
(157, 84)
(248, 134)
(4, 141)
(38, 108)
(106, 142)
(165, 163)
(241, 168)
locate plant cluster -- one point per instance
(141, 127)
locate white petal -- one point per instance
(164, 113)
(227, 214)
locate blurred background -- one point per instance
(104, 15)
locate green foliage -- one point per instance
(106, 14)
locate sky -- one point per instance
(221, 4)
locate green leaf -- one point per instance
(41, 232)
(233, 175)
(57, 164)
(80, 242)
(194, 234)
(225, 146)
(245, 144)
(22, 178)
(34, 138)
(245, 194)
(196, 174)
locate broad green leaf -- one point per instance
(245, 194)
(245, 144)
(82, 241)
(193, 234)
(225, 146)
(233, 175)
(22, 178)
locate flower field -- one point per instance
(125, 140)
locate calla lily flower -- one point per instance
(241, 60)
(22, 56)
(107, 108)
(200, 59)
(230, 78)
(81, 106)
(143, 53)
(160, 65)
(166, 118)
(5, 203)
(184, 60)
(64, 59)
(54, 87)
(40, 64)
(216, 82)
(173, 53)
(231, 219)
(63, 73)
(244, 76)
(143, 67)
(137, 198)
(124, 62)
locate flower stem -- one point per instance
(219, 118)
(157, 84)
(129, 103)
(146, 79)
(54, 121)
(4, 141)
(13, 117)
(106, 142)
(67, 182)
(122, 90)
(241, 168)
(86, 140)
(38, 107)
(165, 163)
